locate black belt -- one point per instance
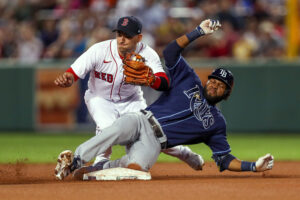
(156, 129)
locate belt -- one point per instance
(156, 128)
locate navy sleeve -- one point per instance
(172, 53)
(218, 144)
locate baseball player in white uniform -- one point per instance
(108, 97)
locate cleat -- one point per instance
(64, 163)
(79, 173)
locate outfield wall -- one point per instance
(17, 110)
(265, 97)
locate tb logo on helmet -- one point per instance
(125, 22)
(223, 73)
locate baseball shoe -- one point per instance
(64, 162)
(78, 173)
(195, 161)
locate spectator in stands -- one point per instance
(257, 26)
(30, 47)
(49, 32)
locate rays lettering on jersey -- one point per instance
(104, 76)
(199, 107)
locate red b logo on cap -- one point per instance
(125, 22)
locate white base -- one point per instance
(115, 174)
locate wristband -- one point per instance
(198, 32)
(248, 166)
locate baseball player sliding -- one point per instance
(184, 114)
(108, 96)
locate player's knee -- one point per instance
(131, 117)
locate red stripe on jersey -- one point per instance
(120, 87)
(116, 69)
(142, 46)
(72, 72)
(120, 56)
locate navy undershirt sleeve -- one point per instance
(172, 53)
(163, 84)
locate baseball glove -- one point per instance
(136, 72)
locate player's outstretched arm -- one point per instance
(231, 163)
(173, 50)
(206, 27)
(64, 80)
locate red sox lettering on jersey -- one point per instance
(103, 76)
(104, 63)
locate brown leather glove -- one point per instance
(136, 72)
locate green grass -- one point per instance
(44, 148)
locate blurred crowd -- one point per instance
(31, 30)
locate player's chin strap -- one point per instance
(156, 128)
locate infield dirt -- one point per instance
(169, 181)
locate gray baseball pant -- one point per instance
(132, 130)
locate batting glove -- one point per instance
(208, 26)
(264, 163)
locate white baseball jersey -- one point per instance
(104, 63)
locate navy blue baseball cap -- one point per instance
(129, 25)
(223, 75)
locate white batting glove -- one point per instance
(264, 163)
(208, 26)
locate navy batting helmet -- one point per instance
(226, 77)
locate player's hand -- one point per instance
(208, 26)
(64, 80)
(264, 163)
